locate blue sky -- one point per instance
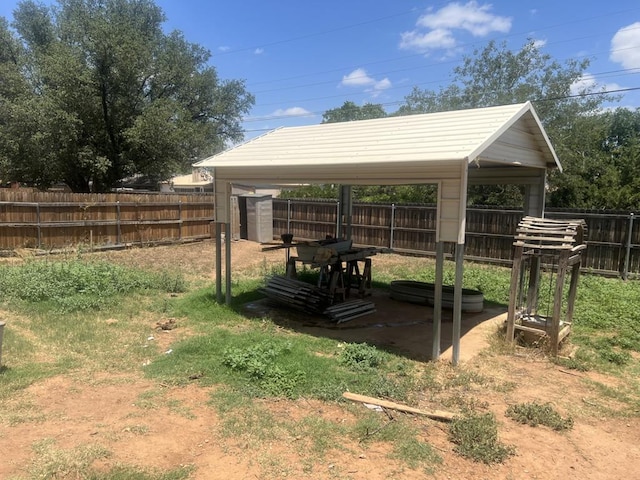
(301, 58)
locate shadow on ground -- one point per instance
(400, 327)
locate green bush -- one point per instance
(75, 285)
(476, 437)
(361, 356)
(258, 363)
(535, 414)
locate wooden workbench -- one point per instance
(341, 272)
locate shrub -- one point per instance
(535, 414)
(476, 437)
(361, 356)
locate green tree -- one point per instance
(605, 171)
(104, 93)
(496, 75)
(349, 111)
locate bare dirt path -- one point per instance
(142, 423)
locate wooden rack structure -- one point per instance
(557, 245)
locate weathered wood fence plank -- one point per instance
(613, 238)
(53, 220)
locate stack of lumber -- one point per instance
(547, 234)
(308, 298)
(296, 294)
(345, 311)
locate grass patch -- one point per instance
(476, 437)
(263, 360)
(77, 285)
(535, 414)
(416, 454)
(81, 316)
(243, 419)
(52, 462)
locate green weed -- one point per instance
(535, 414)
(476, 437)
(361, 357)
(416, 454)
(76, 285)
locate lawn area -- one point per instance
(121, 365)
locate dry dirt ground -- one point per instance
(107, 410)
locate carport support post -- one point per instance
(437, 303)
(219, 262)
(345, 212)
(227, 265)
(457, 303)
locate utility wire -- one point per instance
(342, 69)
(549, 99)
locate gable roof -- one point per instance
(492, 136)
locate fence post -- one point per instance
(393, 221)
(627, 257)
(289, 216)
(338, 220)
(39, 226)
(118, 225)
(179, 219)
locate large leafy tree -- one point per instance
(349, 111)
(496, 75)
(97, 92)
(605, 169)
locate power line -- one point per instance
(316, 34)
(422, 53)
(631, 71)
(398, 102)
(384, 73)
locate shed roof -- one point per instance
(492, 136)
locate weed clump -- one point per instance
(535, 414)
(75, 285)
(258, 362)
(476, 437)
(361, 357)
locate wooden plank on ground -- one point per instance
(435, 414)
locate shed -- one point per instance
(494, 145)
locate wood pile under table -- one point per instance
(310, 299)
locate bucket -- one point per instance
(1, 332)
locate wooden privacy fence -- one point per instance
(51, 220)
(613, 238)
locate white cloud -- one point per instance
(258, 51)
(357, 78)
(382, 84)
(292, 112)
(539, 43)
(588, 83)
(625, 46)
(431, 40)
(440, 26)
(224, 48)
(360, 78)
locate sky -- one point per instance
(301, 58)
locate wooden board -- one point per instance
(435, 414)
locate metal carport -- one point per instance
(493, 145)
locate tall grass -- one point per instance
(76, 285)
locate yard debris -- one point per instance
(168, 324)
(435, 415)
(308, 298)
(345, 311)
(296, 294)
(195, 376)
